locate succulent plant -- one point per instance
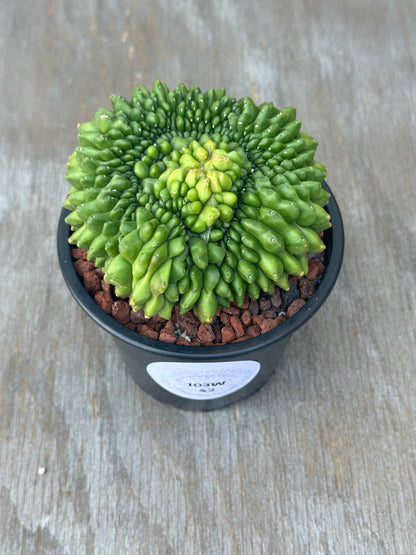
(195, 199)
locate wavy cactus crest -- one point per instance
(195, 198)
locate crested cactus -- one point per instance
(195, 199)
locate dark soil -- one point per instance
(230, 325)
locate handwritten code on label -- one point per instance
(203, 380)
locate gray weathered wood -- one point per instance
(322, 460)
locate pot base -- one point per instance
(196, 385)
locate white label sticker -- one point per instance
(203, 380)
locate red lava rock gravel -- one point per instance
(231, 324)
(120, 311)
(316, 268)
(294, 307)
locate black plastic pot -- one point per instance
(205, 378)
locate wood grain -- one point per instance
(322, 459)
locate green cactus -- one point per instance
(195, 199)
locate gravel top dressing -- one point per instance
(230, 325)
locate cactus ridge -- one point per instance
(195, 199)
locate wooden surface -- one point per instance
(322, 459)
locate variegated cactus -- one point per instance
(195, 199)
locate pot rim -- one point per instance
(333, 238)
